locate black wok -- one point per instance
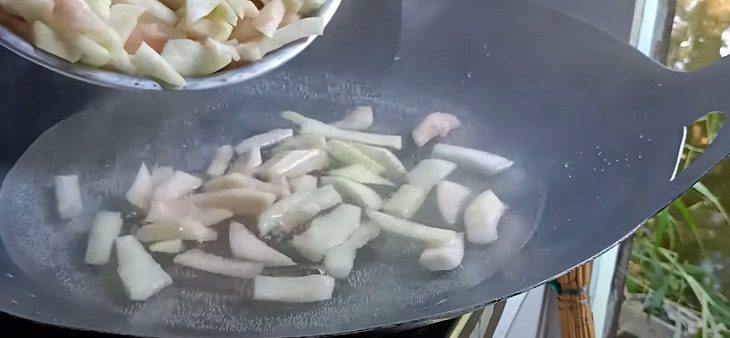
(593, 126)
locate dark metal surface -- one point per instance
(27, 329)
(595, 119)
(613, 17)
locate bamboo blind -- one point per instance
(574, 308)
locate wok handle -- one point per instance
(702, 92)
(574, 307)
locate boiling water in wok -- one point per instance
(106, 142)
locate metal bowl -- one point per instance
(117, 80)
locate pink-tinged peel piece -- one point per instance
(167, 199)
(434, 125)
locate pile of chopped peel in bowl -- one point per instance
(166, 40)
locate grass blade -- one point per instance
(707, 194)
(687, 217)
(662, 224)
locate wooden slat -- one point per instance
(576, 319)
